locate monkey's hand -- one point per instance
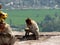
(26, 28)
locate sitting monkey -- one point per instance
(6, 35)
(32, 27)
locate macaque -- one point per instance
(32, 27)
(6, 35)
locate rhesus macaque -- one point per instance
(6, 35)
(32, 27)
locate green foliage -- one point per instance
(47, 19)
(51, 24)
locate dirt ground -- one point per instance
(46, 38)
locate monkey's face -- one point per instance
(3, 15)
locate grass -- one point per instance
(18, 16)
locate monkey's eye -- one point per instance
(2, 15)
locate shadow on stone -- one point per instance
(24, 38)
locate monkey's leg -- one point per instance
(36, 34)
(27, 33)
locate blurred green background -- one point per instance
(18, 16)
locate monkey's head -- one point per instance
(28, 21)
(3, 16)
